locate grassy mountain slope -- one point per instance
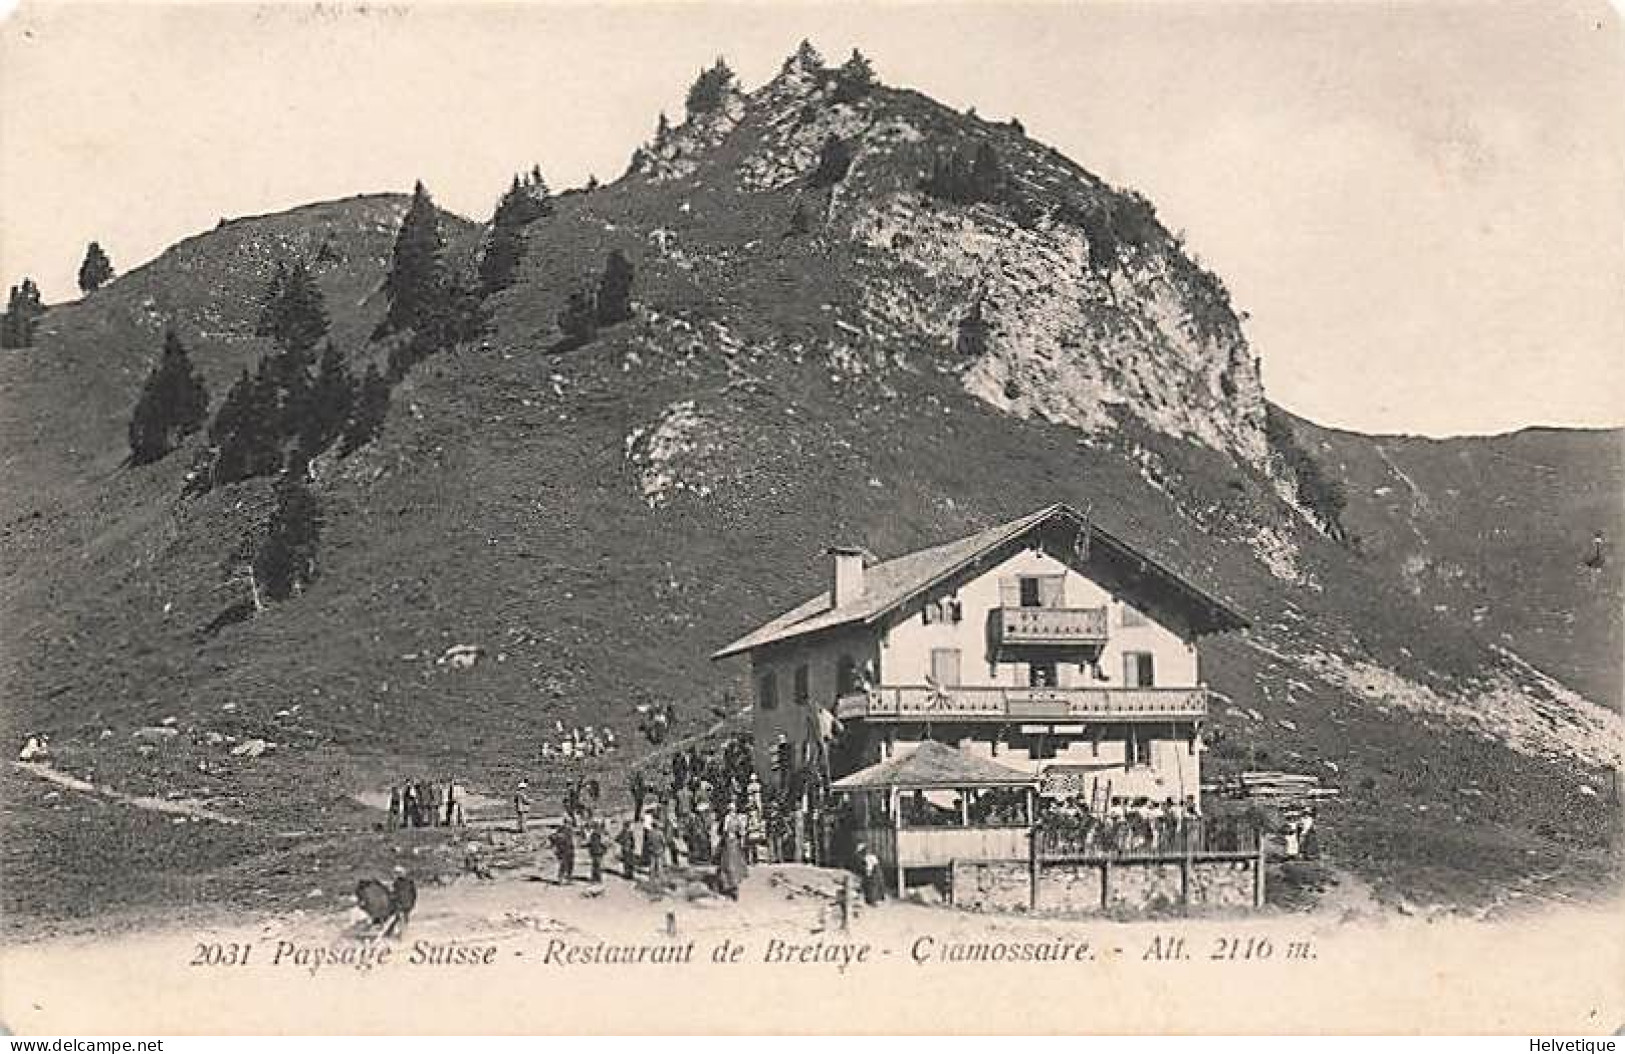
(1499, 531)
(599, 520)
(90, 356)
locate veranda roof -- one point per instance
(932, 765)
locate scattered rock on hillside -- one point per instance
(461, 656)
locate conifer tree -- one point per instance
(963, 182)
(332, 396)
(854, 80)
(294, 314)
(615, 290)
(986, 174)
(807, 56)
(23, 310)
(416, 285)
(834, 162)
(245, 430)
(525, 202)
(271, 305)
(96, 269)
(172, 405)
(579, 319)
(285, 560)
(367, 412)
(975, 334)
(710, 89)
(1321, 495)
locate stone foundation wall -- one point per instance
(1222, 883)
(1152, 886)
(1072, 888)
(994, 886)
(1091, 887)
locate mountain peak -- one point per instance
(1050, 294)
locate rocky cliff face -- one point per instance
(1055, 297)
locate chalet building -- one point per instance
(1045, 646)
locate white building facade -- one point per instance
(1045, 644)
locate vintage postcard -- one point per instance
(812, 518)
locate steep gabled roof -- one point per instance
(889, 584)
(933, 764)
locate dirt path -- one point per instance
(179, 807)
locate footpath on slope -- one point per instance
(178, 807)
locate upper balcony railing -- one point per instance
(1028, 627)
(925, 703)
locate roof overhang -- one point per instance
(1210, 614)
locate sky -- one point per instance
(1421, 208)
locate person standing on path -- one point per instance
(874, 886)
(596, 849)
(564, 848)
(668, 828)
(640, 790)
(731, 856)
(521, 804)
(654, 848)
(627, 842)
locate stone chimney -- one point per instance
(846, 573)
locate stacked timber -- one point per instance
(1280, 788)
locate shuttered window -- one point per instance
(1138, 669)
(1033, 591)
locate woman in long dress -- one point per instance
(731, 859)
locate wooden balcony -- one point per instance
(914, 703)
(1024, 627)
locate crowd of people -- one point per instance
(1299, 837)
(1135, 825)
(424, 803)
(581, 741)
(656, 721)
(707, 809)
(1147, 826)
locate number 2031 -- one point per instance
(222, 955)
